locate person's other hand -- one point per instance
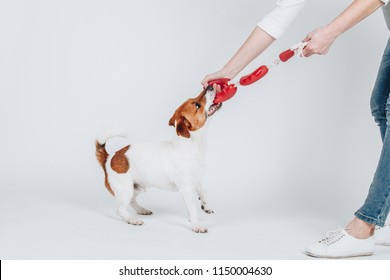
(318, 41)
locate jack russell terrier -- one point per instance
(176, 165)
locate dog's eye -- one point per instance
(197, 105)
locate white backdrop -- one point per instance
(299, 143)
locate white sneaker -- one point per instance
(339, 244)
(382, 236)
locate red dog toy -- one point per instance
(229, 90)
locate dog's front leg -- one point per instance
(189, 197)
(201, 195)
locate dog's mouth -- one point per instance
(213, 108)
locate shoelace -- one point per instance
(332, 237)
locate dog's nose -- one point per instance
(209, 88)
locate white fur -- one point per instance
(176, 165)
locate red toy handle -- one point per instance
(254, 76)
(286, 55)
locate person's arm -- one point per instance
(321, 39)
(268, 30)
(256, 43)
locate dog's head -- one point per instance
(193, 114)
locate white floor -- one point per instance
(80, 223)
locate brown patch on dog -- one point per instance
(102, 155)
(190, 116)
(119, 162)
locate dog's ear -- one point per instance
(183, 127)
(181, 123)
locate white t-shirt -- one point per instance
(276, 22)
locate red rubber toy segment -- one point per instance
(254, 76)
(286, 55)
(226, 93)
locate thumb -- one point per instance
(306, 52)
(307, 38)
(205, 81)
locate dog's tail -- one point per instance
(102, 155)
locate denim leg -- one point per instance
(380, 93)
(377, 205)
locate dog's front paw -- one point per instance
(134, 222)
(144, 212)
(199, 229)
(207, 210)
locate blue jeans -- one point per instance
(377, 205)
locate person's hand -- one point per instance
(216, 75)
(319, 41)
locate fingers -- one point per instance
(205, 81)
(318, 41)
(216, 87)
(307, 52)
(209, 77)
(212, 76)
(307, 39)
(312, 48)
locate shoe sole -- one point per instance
(340, 257)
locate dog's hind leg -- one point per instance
(123, 188)
(133, 202)
(201, 195)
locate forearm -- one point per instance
(352, 15)
(257, 42)
(321, 39)
(270, 28)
